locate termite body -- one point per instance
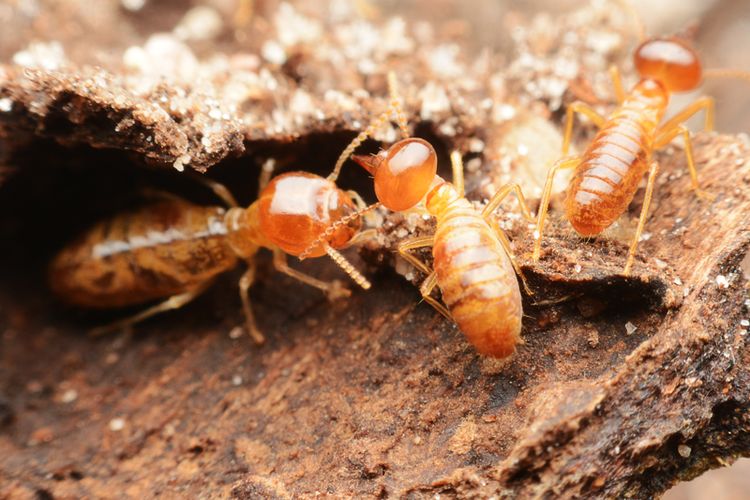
(172, 248)
(474, 272)
(472, 260)
(608, 173)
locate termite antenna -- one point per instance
(335, 226)
(630, 9)
(735, 74)
(349, 269)
(394, 107)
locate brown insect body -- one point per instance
(473, 262)
(161, 249)
(611, 168)
(475, 274)
(172, 247)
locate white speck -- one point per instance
(42, 55)
(744, 322)
(747, 303)
(645, 237)
(630, 328)
(577, 268)
(294, 28)
(237, 380)
(301, 103)
(434, 101)
(743, 332)
(133, 5)
(163, 55)
(522, 149)
(443, 60)
(236, 332)
(684, 450)
(273, 52)
(617, 450)
(503, 112)
(179, 163)
(199, 23)
(677, 281)
(69, 396)
(722, 281)
(660, 263)
(476, 145)
(6, 104)
(117, 424)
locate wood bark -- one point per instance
(623, 385)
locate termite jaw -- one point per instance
(370, 162)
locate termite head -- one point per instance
(671, 62)
(403, 173)
(298, 207)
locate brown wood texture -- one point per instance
(622, 387)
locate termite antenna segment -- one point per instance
(727, 74)
(330, 230)
(394, 107)
(630, 9)
(344, 264)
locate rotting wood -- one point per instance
(378, 394)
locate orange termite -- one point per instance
(473, 262)
(173, 249)
(609, 171)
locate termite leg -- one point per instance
(457, 165)
(393, 108)
(266, 171)
(426, 290)
(644, 214)
(245, 283)
(508, 250)
(544, 204)
(173, 302)
(666, 137)
(363, 236)
(583, 109)
(219, 189)
(412, 243)
(614, 75)
(158, 194)
(362, 206)
(334, 290)
(501, 194)
(702, 103)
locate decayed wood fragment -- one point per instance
(622, 387)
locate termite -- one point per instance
(473, 261)
(172, 249)
(608, 173)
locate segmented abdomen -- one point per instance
(613, 165)
(477, 280)
(162, 249)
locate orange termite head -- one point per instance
(297, 207)
(403, 173)
(671, 62)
